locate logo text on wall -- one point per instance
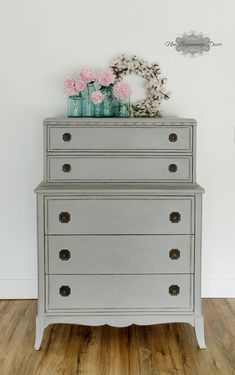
(193, 44)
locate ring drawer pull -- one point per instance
(175, 217)
(173, 137)
(67, 137)
(172, 168)
(174, 290)
(64, 217)
(64, 254)
(66, 168)
(65, 290)
(174, 254)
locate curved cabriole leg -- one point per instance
(199, 330)
(40, 325)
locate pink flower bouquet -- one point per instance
(73, 86)
(97, 97)
(87, 75)
(91, 89)
(121, 90)
(105, 78)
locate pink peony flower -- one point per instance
(121, 90)
(73, 86)
(105, 78)
(87, 75)
(79, 85)
(69, 86)
(97, 97)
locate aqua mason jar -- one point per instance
(88, 106)
(122, 107)
(108, 101)
(75, 105)
(98, 110)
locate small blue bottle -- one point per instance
(88, 106)
(108, 101)
(75, 105)
(122, 107)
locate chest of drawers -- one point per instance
(119, 224)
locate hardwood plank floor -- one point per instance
(150, 350)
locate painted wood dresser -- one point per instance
(119, 224)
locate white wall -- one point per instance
(43, 41)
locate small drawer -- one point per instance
(119, 168)
(114, 138)
(113, 292)
(119, 254)
(119, 216)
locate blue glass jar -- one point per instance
(88, 106)
(122, 107)
(108, 101)
(75, 105)
(98, 110)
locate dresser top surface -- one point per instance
(120, 188)
(107, 121)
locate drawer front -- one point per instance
(119, 216)
(160, 292)
(77, 168)
(119, 254)
(128, 138)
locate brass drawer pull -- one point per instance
(173, 137)
(65, 290)
(66, 168)
(175, 217)
(64, 217)
(174, 254)
(174, 290)
(67, 137)
(172, 168)
(64, 254)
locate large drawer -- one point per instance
(119, 216)
(160, 292)
(100, 168)
(127, 138)
(119, 254)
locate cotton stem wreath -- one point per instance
(156, 92)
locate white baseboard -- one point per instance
(27, 288)
(18, 288)
(218, 288)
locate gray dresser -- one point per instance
(119, 224)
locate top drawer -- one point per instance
(113, 138)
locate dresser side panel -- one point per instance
(197, 257)
(41, 254)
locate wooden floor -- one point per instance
(159, 349)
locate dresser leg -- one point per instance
(199, 330)
(39, 332)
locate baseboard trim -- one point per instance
(27, 288)
(18, 288)
(218, 287)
